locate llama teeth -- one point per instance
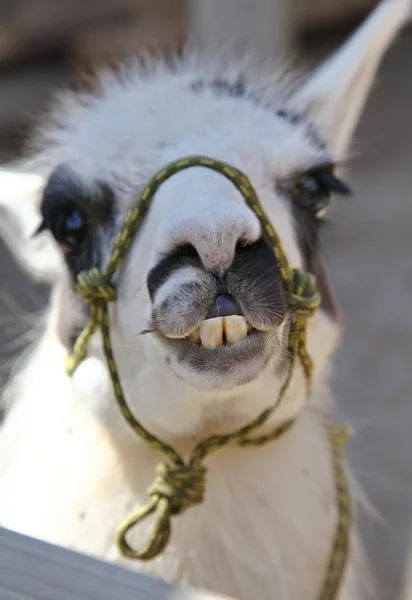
(236, 328)
(211, 333)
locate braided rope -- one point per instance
(340, 549)
(179, 485)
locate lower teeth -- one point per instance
(220, 331)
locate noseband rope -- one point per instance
(179, 484)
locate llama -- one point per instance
(70, 467)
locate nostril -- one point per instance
(185, 250)
(182, 256)
(224, 305)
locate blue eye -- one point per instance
(74, 221)
(68, 224)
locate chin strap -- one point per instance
(180, 484)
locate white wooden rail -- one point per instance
(33, 570)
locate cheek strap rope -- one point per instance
(180, 484)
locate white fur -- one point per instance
(69, 467)
(19, 218)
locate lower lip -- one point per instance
(225, 367)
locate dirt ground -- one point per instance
(368, 246)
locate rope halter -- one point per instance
(178, 484)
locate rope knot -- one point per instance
(93, 285)
(304, 297)
(182, 485)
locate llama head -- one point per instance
(200, 253)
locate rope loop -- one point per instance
(94, 286)
(174, 489)
(304, 297)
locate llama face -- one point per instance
(199, 276)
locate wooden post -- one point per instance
(262, 26)
(33, 570)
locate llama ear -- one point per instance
(19, 219)
(334, 95)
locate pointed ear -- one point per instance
(333, 97)
(19, 219)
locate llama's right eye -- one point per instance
(68, 226)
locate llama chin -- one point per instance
(70, 468)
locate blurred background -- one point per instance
(48, 44)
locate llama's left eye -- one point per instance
(313, 190)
